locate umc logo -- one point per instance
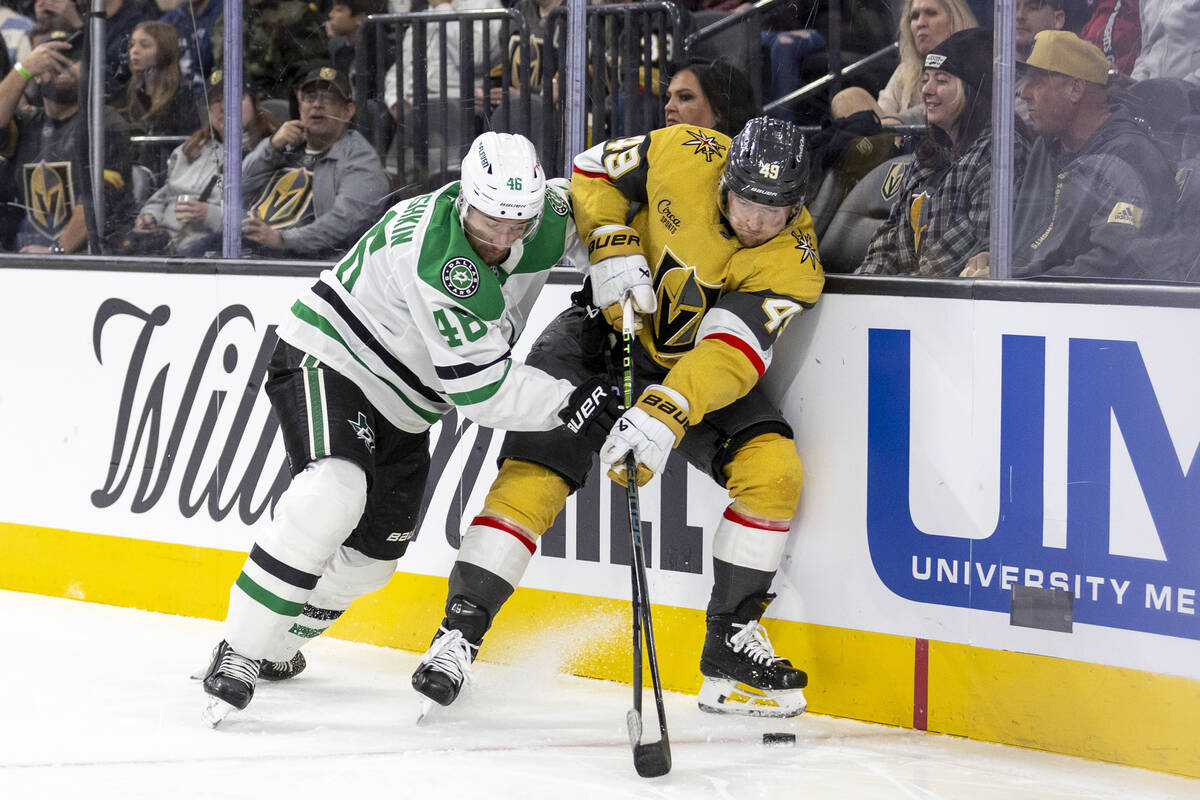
(1111, 409)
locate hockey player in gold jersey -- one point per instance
(719, 256)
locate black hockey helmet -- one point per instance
(768, 163)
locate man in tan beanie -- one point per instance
(1096, 184)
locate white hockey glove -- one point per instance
(649, 430)
(619, 269)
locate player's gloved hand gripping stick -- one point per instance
(651, 759)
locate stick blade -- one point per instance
(653, 759)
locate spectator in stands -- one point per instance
(714, 95)
(282, 39)
(65, 12)
(941, 217)
(48, 180)
(188, 204)
(121, 17)
(534, 12)
(14, 28)
(1095, 185)
(194, 21)
(1033, 17)
(924, 24)
(316, 184)
(1170, 43)
(345, 17)
(156, 101)
(1116, 28)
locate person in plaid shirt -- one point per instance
(941, 217)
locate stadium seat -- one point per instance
(142, 184)
(823, 204)
(865, 208)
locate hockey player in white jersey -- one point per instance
(417, 319)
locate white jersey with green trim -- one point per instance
(421, 324)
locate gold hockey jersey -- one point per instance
(721, 306)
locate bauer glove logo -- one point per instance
(586, 409)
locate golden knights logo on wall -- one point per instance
(286, 198)
(49, 196)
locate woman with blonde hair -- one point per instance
(924, 24)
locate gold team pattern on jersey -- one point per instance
(693, 255)
(285, 201)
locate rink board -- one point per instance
(954, 447)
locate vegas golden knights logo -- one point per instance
(682, 302)
(286, 198)
(514, 58)
(49, 196)
(893, 180)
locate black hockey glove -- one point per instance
(592, 410)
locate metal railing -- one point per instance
(629, 50)
(749, 23)
(833, 78)
(429, 107)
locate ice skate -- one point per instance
(229, 683)
(742, 674)
(446, 665)
(282, 670)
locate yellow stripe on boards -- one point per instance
(171, 578)
(1105, 713)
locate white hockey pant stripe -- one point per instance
(746, 546)
(495, 550)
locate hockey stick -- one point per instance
(653, 758)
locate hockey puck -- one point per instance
(779, 739)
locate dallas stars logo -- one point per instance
(805, 246)
(707, 146)
(363, 431)
(460, 277)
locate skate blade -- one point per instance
(722, 696)
(215, 710)
(427, 705)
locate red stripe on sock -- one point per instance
(777, 525)
(501, 525)
(921, 686)
(743, 348)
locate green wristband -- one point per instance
(20, 70)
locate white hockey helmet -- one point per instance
(503, 178)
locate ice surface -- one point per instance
(97, 704)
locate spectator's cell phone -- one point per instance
(75, 40)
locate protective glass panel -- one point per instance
(351, 107)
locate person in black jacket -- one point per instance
(47, 184)
(1096, 185)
